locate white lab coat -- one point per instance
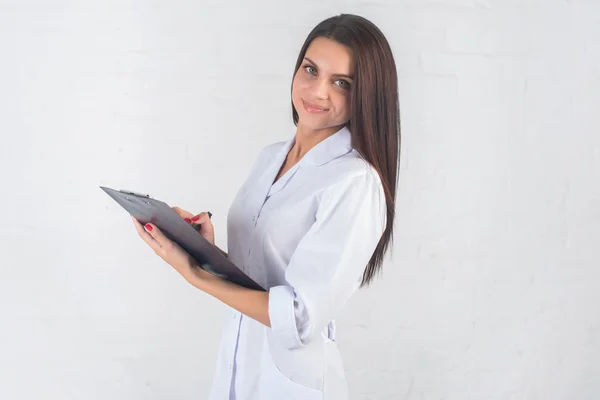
(306, 239)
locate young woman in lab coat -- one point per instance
(311, 224)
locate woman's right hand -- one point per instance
(207, 230)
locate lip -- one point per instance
(312, 107)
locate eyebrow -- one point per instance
(337, 75)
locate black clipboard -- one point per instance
(148, 210)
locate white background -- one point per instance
(491, 291)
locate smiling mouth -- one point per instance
(313, 108)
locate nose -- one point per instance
(321, 89)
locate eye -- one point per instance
(343, 84)
(310, 69)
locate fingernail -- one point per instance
(188, 220)
(196, 218)
(149, 227)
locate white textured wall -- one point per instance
(492, 290)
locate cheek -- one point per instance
(299, 89)
(299, 84)
(295, 87)
(342, 105)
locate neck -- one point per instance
(307, 138)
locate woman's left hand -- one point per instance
(169, 251)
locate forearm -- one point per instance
(253, 303)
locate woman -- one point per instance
(311, 223)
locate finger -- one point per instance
(201, 218)
(157, 235)
(183, 214)
(147, 237)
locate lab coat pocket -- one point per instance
(275, 385)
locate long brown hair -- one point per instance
(374, 109)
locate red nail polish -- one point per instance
(149, 227)
(188, 220)
(196, 218)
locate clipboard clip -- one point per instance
(134, 193)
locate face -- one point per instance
(321, 86)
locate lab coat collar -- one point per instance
(334, 146)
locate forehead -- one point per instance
(331, 56)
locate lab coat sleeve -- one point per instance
(327, 266)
